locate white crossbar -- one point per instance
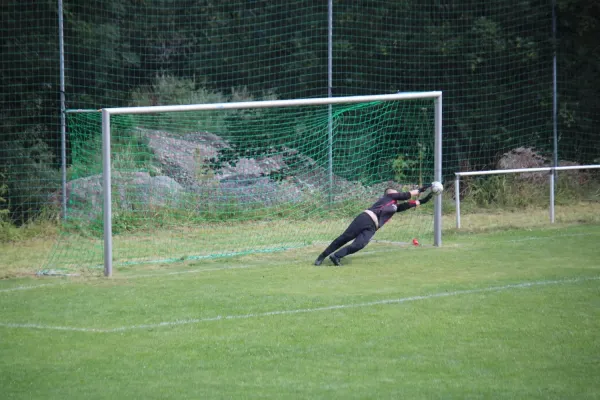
(275, 103)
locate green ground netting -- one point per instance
(188, 185)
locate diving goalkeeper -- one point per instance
(364, 226)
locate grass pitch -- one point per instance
(507, 314)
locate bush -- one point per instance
(4, 212)
(44, 224)
(168, 90)
(30, 178)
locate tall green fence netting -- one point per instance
(493, 61)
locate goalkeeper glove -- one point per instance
(424, 187)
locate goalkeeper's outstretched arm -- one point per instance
(402, 195)
(414, 203)
(426, 198)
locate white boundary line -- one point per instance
(16, 288)
(298, 311)
(524, 239)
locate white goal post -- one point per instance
(106, 143)
(550, 170)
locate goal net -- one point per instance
(214, 180)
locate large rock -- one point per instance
(526, 157)
(189, 169)
(130, 191)
(522, 157)
(192, 160)
(257, 190)
(185, 158)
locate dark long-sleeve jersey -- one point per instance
(387, 206)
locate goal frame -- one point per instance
(106, 144)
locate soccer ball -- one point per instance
(437, 188)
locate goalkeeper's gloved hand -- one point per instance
(424, 187)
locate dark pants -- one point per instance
(361, 230)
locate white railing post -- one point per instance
(457, 199)
(551, 177)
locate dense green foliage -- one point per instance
(493, 60)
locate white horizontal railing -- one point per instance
(550, 171)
